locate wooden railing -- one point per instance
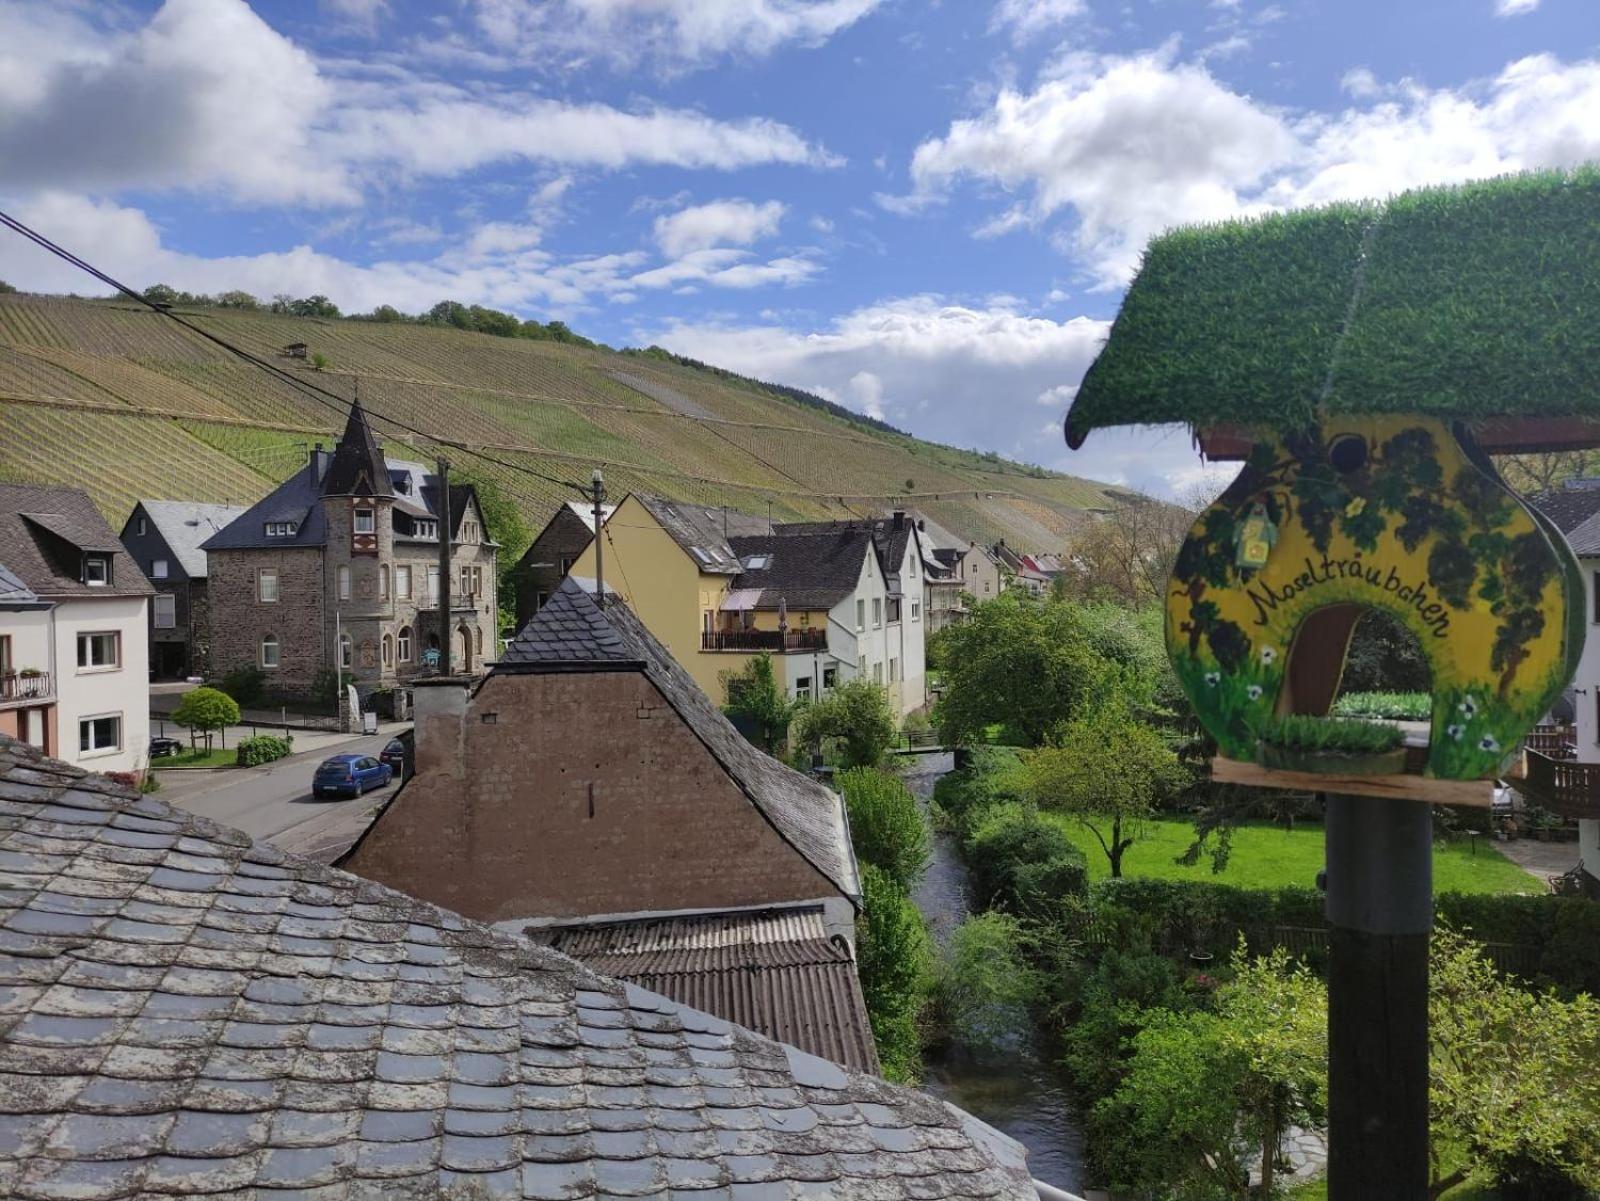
(810, 639)
(1558, 742)
(1560, 785)
(17, 687)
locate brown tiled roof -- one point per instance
(189, 1012)
(43, 532)
(775, 971)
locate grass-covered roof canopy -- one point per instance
(1477, 303)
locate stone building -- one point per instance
(340, 564)
(164, 537)
(551, 555)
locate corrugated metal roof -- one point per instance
(775, 971)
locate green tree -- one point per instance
(319, 360)
(1109, 773)
(986, 985)
(387, 314)
(855, 719)
(756, 699)
(893, 959)
(238, 300)
(161, 294)
(886, 824)
(1024, 664)
(314, 306)
(206, 710)
(5, 288)
(1515, 1076)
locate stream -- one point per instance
(1018, 1092)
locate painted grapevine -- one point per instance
(1395, 513)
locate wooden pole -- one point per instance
(444, 566)
(598, 498)
(1380, 916)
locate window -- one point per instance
(99, 651)
(427, 529)
(269, 651)
(344, 583)
(877, 673)
(861, 615)
(402, 582)
(363, 522)
(477, 640)
(143, 529)
(877, 612)
(383, 581)
(388, 650)
(158, 569)
(433, 585)
(830, 678)
(466, 581)
(539, 599)
(566, 564)
(802, 686)
(916, 610)
(471, 531)
(165, 611)
(5, 654)
(267, 585)
(344, 650)
(405, 644)
(477, 581)
(100, 735)
(894, 609)
(281, 529)
(96, 571)
(913, 565)
(894, 670)
(986, 587)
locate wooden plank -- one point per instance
(1228, 443)
(1402, 786)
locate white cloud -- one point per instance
(1514, 8)
(1127, 147)
(1360, 83)
(674, 33)
(721, 222)
(865, 391)
(724, 267)
(821, 224)
(1026, 19)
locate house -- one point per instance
(588, 782)
(672, 563)
(944, 588)
(551, 555)
(295, 350)
(340, 564)
(190, 1012)
(74, 641)
(164, 537)
(1017, 570)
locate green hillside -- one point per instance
(124, 402)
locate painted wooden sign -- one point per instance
(1374, 513)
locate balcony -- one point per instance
(1560, 785)
(778, 642)
(16, 688)
(460, 602)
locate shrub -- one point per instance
(1014, 854)
(991, 779)
(986, 985)
(247, 685)
(854, 719)
(893, 960)
(886, 825)
(263, 748)
(206, 710)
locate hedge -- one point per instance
(1460, 302)
(263, 748)
(1021, 862)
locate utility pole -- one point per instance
(598, 491)
(443, 467)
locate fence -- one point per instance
(764, 640)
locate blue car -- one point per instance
(349, 775)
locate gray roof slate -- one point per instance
(572, 631)
(37, 523)
(13, 591)
(804, 570)
(184, 1011)
(186, 525)
(1571, 506)
(698, 529)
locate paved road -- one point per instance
(274, 802)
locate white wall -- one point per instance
(123, 690)
(29, 631)
(1587, 684)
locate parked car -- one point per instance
(401, 755)
(160, 747)
(349, 775)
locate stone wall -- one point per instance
(565, 538)
(574, 794)
(239, 620)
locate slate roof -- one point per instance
(804, 571)
(185, 1011)
(186, 525)
(571, 632)
(775, 971)
(1571, 506)
(889, 539)
(43, 531)
(14, 593)
(698, 531)
(358, 467)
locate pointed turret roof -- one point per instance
(357, 468)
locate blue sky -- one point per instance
(924, 210)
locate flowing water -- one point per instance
(1018, 1092)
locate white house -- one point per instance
(74, 641)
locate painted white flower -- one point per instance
(1253, 692)
(1469, 707)
(1268, 654)
(1213, 678)
(1455, 731)
(1488, 744)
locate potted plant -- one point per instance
(1299, 742)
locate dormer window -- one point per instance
(427, 529)
(97, 570)
(281, 529)
(364, 521)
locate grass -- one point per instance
(1268, 856)
(199, 757)
(1299, 732)
(1395, 706)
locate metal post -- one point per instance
(599, 481)
(443, 467)
(1380, 913)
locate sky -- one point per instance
(924, 209)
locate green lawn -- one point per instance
(1268, 856)
(216, 757)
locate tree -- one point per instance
(238, 300)
(314, 306)
(758, 701)
(854, 718)
(1127, 554)
(1515, 1077)
(5, 288)
(387, 314)
(1109, 772)
(161, 294)
(1024, 664)
(893, 959)
(205, 710)
(986, 984)
(886, 824)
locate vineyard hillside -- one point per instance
(126, 403)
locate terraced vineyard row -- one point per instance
(195, 422)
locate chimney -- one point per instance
(899, 519)
(922, 524)
(440, 714)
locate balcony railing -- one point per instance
(778, 641)
(16, 687)
(1558, 742)
(1560, 785)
